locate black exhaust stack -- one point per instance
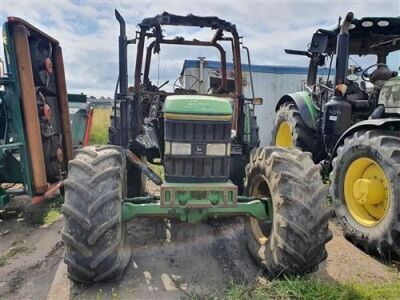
(123, 80)
(342, 52)
(337, 112)
(123, 55)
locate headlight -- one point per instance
(181, 149)
(216, 149)
(383, 23)
(167, 149)
(367, 24)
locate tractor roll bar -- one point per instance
(221, 88)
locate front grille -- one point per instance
(197, 166)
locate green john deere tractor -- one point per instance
(352, 126)
(35, 134)
(208, 146)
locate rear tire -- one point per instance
(381, 230)
(298, 134)
(93, 234)
(294, 242)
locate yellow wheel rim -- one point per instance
(284, 135)
(366, 191)
(260, 189)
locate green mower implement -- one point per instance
(208, 145)
(352, 127)
(35, 134)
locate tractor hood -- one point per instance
(198, 105)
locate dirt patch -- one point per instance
(347, 263)
(170, 260)
(27, 274)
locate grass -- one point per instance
(301, 289)
(12, 252)
(159, 170)
(100, 123)
(53, 211)
(52, 215)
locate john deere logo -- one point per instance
(199, 149)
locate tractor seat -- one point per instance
(382, 73)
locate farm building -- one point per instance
(270, 83)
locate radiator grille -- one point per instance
(198, 166)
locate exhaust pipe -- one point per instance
(123, 79)
(342, 54)
(337, 112)
(123, 55)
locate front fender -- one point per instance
(304, 104)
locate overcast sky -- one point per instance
(88, 31)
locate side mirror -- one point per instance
(319, 43)
(257, 101)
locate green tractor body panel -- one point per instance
(194, 203)
(14, 161)
(198, 105)
(305, 106)
(35, 134)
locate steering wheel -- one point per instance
(196, 80)
(365, 76)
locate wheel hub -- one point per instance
(284, 135)
(366, 190)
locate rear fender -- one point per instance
(304, 104)
(387, 124)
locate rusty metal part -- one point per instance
(63, 104)
(224, 83)
(31, 28)
(151, 27)
(60, 155)
(48, 65)
(137, 162)
(46, 112)
(139, 60)
(50, 193)
(29, 106)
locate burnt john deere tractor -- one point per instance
(213, 167)
(35, 134)
(353, 126)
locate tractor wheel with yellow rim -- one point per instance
(290, 131)
(293, 242)
(366, 190)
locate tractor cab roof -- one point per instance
(369, 35)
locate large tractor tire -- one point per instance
(366, 190)
(290, 131)
(93, 234)
(293, 242)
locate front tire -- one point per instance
(366, 190)
(93, 234)
(294, 242)
(290, 131)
